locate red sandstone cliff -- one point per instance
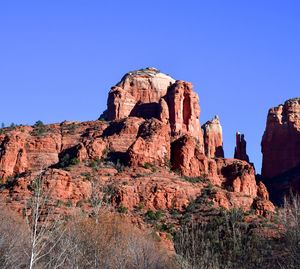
(281, 140)
(281, 149)
(153, 126)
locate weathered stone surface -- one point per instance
(152, 145)
(121, 134)
(24, 148)
(213, 139)
(263, 207)
(163, 111)
(235, 175)
(262, 191)
(184, 111)
(148, 93)
(240, 148)
(281, 140)
(146, 85)
(138, 94)
(120, 103)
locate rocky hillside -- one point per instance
(148, 151)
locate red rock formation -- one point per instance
(184, 111)
(281, 140)
(235, 175)
(152, 145)
(120, 103)
(148, 110)
(138, 94)
(262, 191)
(263, 207)
(147, 93)
(240, 149)
(213, 139)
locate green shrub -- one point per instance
(39, 128)
(122, 209)
(87, 176)
(10, 179)
(93, 164)
(69, 203)
(147, 165)
(79, 203)
(153, 216)
(140, 206)
(67, 161)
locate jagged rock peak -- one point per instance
(240, 148)
(213, 139)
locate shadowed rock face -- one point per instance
(281, 150)
(240, 148)
(281, 140)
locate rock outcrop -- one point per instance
(138, 94)
(126, 162)
(281, 140)
(184, 111)
(213, 139)
(234, 175)
(281, 150)
(240, 148)
(152, 145)
(148, 93)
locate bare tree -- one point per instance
(13, 240)
(290, 236)
(42, 222)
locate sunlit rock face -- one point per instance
(213, 139)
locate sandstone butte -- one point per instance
(146, 151)
(281, 149)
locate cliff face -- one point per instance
(153, 126)
(281, 148)
(281, 140)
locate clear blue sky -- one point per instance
(59, 58)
